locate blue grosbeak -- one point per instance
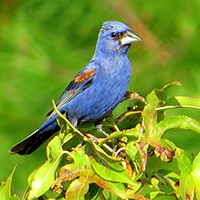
(97, 89)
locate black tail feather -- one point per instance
(32, 142)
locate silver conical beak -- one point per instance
(129, 37)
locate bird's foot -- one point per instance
(99, 127)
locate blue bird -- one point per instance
(96, 90)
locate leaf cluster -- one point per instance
(85, 164)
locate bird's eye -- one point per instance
(113, 34)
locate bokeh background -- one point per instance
(43, 44)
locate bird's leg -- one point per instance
(99, 127)
(74, 122)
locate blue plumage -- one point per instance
(97, 89)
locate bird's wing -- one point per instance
(83, 80)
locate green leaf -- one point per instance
(178, 122)
(5, 188)
(154, 194)
(111, 172)
(152, 98)
(160, 94)
(183, 161)
(115, 135)
(77, 189)
(187, 184)
(82, 175)
(79, 170)
(133, 155)
(54, 148)
(114, 187)
(80, 166)
(94, 190)
(149, 120)
(196, 174)
(132, 134)
(165, 181)
(131, 150)
(184, 101)
(42, 178)
(102, 153)
(154, 101)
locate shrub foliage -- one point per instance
(90, 165)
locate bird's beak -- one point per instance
(129, 37)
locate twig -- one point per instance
(66, 120)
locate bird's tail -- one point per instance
(32, 142)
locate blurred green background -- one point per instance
(43, 44)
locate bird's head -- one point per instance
(115, 37)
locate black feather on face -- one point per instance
(118, 35)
